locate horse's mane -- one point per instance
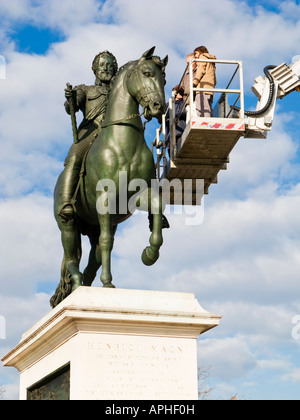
(119, 72)
(157, 60)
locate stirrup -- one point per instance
(67, 212)
(165, 222)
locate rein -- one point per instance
(123, 120)
(138, 98)
(130, 117)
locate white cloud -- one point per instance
(230, 358)
(245, 243)
(13, 9)
(21, 313)
(30, 250)
(233, 29)
(33, 308)
(50, 13)
(274, 364)
(293, 376)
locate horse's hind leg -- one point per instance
(71, 241)
(106, 242)
(70, 278)
(64, 288)
(151, 201)
(94, 262)
(95, 259)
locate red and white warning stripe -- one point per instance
(219, 126)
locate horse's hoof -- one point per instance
(109, 286)
(149, 257)
(76, 281)
(75, 286)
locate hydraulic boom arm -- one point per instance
(279, 82)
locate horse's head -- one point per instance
(146, 83)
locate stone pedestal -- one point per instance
(113, 344)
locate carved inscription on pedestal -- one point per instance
(139, 371)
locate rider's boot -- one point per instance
(69, 183)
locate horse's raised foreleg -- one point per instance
(151, 201)
(106, 242)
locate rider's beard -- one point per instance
(104, 76)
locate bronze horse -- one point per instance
(119, 153)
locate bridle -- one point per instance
(142, 95)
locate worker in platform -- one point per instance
(180, 115)
(185, 83)
(204, 77)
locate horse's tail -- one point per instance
(64, 289)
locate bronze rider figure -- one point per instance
(92, 101)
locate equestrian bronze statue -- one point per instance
(117, 160)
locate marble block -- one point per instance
(113, 344)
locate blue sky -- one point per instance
(33, 40)
(243, 262)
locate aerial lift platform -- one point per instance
(205, 146)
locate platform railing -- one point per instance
(166, 134)
(227, 90)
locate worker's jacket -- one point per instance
(205, 75)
